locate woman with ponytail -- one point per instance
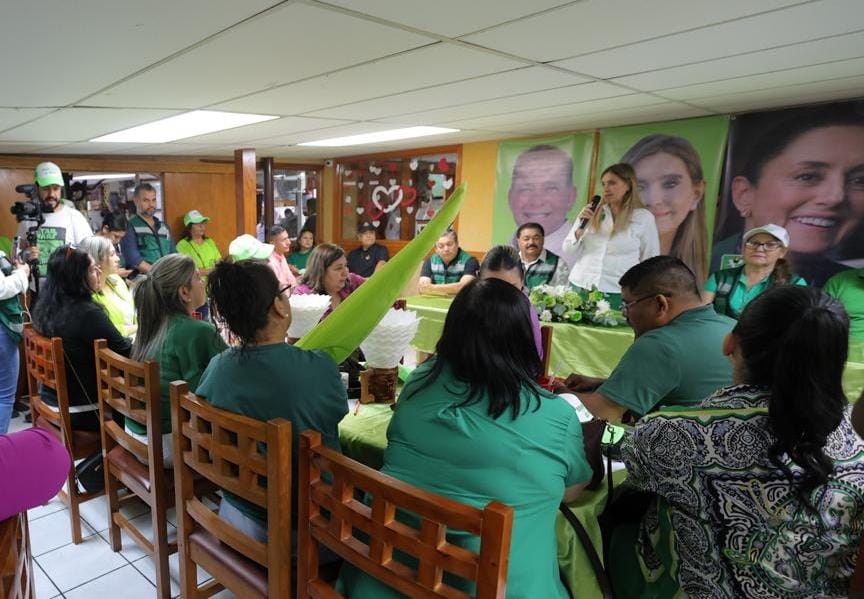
(762, 487)
(164, 301)
(264, 377)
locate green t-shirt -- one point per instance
(739, 296)
(463, 453)
(298, 259)
(680, 364)
(848, 288)
(278, 381)
(186, 351)
(118, 303)
(206, 254)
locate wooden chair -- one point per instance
(16, 561)
(226, 449)
(546, 343)
(44, 359)
(132, 389)
(331, 515)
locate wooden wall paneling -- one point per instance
(244, 190)
(210, 193)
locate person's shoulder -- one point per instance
(642, 216)
(356, 251)
(309, 358)
(845, 277)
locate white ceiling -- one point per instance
(493, 68)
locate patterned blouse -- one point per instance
(737, 528)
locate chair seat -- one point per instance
(84, 443)
(128, 463)
(249, 572)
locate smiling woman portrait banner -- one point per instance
(543, 181)
(802, 169)
(678, 166)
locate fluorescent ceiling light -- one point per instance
(181, 126)
(103, 176)
(371, 138)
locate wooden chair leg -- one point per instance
(74, 514)
(160, 552)
(188, 574)
(112, 486)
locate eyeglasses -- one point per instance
(287, 290)
(768, 245)
(625, 306)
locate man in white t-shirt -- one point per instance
(63, 225)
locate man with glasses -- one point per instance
(677, 357)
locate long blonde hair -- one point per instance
(630, 202)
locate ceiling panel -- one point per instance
(10, 117)
(283, 126)
(91, 148)
(428, 66)
(64, 51)
(808, 53)
(14, 147)
(438, 16)
(481, 88)
(289, 44)
(789, 95)
(584, 27)
(331, 132)
(82, 124)
(794, 24)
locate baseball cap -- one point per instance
(194, 217)
(776, 231)
(365, 226)
(48, 173)
(247, 247)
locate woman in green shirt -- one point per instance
(113, 294)
(200, 248)
(472, 425)
(299, 257)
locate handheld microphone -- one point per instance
(583, 222)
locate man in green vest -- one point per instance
(541, 267)
(147, 238)
(449, 269)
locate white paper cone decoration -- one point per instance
(306, 311)
(389, 341)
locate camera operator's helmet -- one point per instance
(48, 173)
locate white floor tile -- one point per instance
(95, 513)
(226, 594)
(131, 551)
(73, 565)
(145, 565)
(55, 505)
(45, 589)
(126, 582)
(53, 531)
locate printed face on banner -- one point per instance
(667, 190)
(542, 189)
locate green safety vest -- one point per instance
(151, 246)
(726, 280)
(12, 318)
(451, 273)
(540, 273)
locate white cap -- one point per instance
(776, 231)
(247, 247)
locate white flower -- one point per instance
(603, 306)
(546, 316)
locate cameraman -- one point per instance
(13, 282)
(62, 224)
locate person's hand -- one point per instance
(32, 253)
(124, 272)
(558, 386)
(294, 270)
(24, 267)
(586, 213)
(580, 383)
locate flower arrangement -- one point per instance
(562, 304)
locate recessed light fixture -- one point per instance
(181, 126)
(379, 136)
(103, 176)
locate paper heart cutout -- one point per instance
(392, 167)
(381, 189)
(347, 199)
(397, 218)
(360, 184)
(431, 168)
(392, 182)
(448, 183)
(409, 209)
(375, 223)
(348, 173)
(410, 196)
(359, 209)
(430, 213)
(413, 164)
(375, 170)
(375, 182)
(430, 183)
(443, 165)
(371, 211)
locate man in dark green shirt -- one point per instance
(677, 358)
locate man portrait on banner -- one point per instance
(542, 191)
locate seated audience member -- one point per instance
(675, 358)
(248, 247)
(848, 288)
(503, 262)
(327, 274)
(297, 259)
(114, 227)
(113, 293)
(164, 300)
(66, 309)
(370, 256)
(449, 269)
(281, 246)
(765, 266)
(474, 412)
(33, 467)
(264, 377)
(541, 266)
(761, 488)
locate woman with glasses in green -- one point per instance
(765, 266)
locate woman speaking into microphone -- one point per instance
(611, 236)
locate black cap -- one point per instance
(365, 226)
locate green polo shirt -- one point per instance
(848, 288)
(739, 296)
(679, 364)
(298, 259)
(205, 254)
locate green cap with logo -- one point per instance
(48, 173)
(247, 247)
(193, 217)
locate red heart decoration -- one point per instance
(430, 213)
(371, 208)
(443, 165)
(392, 167)
(430, 183)
(410, 195)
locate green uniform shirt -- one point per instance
(205, 254)
(681, 363)
(150, 246)
(736, 298)
(187, 350)
(298, 259)
(848, 288)
(278, 381)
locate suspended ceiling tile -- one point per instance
(274, 128)
(57, 52)
(790, 95)
(449, 18)
(788, 26)
(168, 149)
(583, 27)
(428, 66)
(288, 44)
(11, 117)
(831, 49)
(15, 147)
(329, 133)
(82, 124)
(91, 148)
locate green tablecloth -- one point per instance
(363, 435)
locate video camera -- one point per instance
(32, 209)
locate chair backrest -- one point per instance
(250, 459)
(331, 515)
(44, 360)
(132, 389)
(546, 343)
(16, 560)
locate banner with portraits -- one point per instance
(802, 169)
